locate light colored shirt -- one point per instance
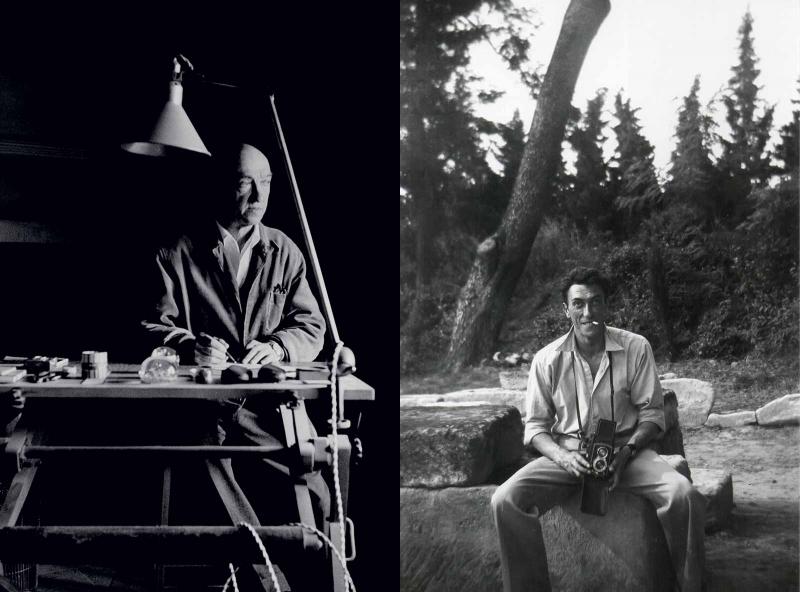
(557, 388)
(239, 259)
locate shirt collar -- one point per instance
(568, 342)
(253, 237)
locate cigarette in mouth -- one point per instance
(595, 323)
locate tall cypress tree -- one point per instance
(745, 163)
(692, 176)
(633, 178)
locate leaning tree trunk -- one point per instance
(501, 258)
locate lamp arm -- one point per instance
(309, 241)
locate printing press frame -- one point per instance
(48, 435)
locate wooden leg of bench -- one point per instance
(233, 498)
(17, 494)
(166, 488)
(239, 510)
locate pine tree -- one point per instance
(480, 208)
(633, 179)
(788, 151)
(590, 201)
(745, 163)
(692, 176)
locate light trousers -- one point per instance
(519, 502)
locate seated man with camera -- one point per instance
(594, 403)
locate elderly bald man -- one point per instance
(237, 288)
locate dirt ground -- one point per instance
(758, 550)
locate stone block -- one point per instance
(672, 440)
(695, 399)
(457, 446)
(514, 379)
(731, 420)
(448, 543)
(488, 396)
(782, 411)
(717, 487)
(678, 462)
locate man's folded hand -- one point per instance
(259, 352)
(210, 350)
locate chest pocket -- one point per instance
(275, 302)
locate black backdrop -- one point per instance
(84, 82)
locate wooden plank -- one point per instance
(337, 573)
(17, 494)
(115, 545)
(73, 452)
(123, 382)
(304, 508)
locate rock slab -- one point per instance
(448, 543)
(717, 487)
(671, 442)
(514, 379)
(456, 445)
(695, 399)
(487, 396)
(782, 411)
(731, 420)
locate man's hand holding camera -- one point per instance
(573, 462)
(618, 466)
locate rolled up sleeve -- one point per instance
(540, 414)
(646, 393)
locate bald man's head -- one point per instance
(246, 176)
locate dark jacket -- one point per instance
(198, 293)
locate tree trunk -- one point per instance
(501, 258)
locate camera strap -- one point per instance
(577, 400)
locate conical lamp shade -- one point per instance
(173, 131)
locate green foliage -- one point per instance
(787, 150)
(589, 201)
(634, 179)
(692, 176)
(745, 163)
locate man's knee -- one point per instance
(681, 490)
(500, 497)
(508, 495)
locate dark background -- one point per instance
(74, 85)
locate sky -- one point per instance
(652, 50)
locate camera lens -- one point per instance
(599, 465)
(602, 452)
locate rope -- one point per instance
(231, 578)
(334, 431)
(349, 585)
(264, 554)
